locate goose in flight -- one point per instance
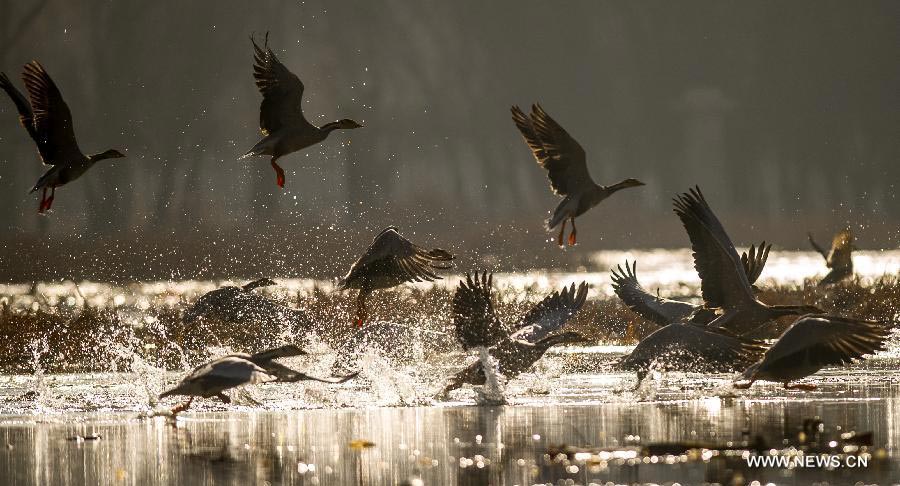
(474, 320)
(839, 258)
(251, 310)
(724, 283)
(687, 346)
(389, 261)
(49, 122)
(566, 164)
(285, 130)
(531, 337)
(664, 311)
(513, 358)
(213, 378)
(811, 343)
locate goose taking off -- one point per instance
(723, 281)
(252, 316)
(664, 311)
(566, 165)
(213, 378)
(839, 258)
(516, 352)
(389, 261)
(812, 343)
(285, 130)
(513, 358)
(686, 346)
(49, 122)
(474, 320)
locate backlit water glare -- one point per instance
(572, 420)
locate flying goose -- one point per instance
(664, 311)
(513, 358)
(687, 346)
(49, 122)
(285, 130)
(474, 320)
(516, 352)
(723, 281)
(566, 165)
(839, 258)
(812, 343)
(241, 305)
(389, 261)
(213, 378)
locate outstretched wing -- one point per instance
(723, 280)
(474, 318)
(550, 314)
(26, 118)
(395, 255)
(286, 351)
(816, 246)
(282, 91)
(53, 130)
(651, 307)
(555, 150)
(754, 260)
(689, 347)
(820, 340)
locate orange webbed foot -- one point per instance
(279, 174)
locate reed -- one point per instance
(81, 338)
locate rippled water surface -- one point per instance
(573, 418)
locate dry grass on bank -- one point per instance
(90, 339)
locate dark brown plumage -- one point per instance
(664, 311)
(389, 261)
(566, 164)
(48, 120)
(685, 346)
(474, 320)
(285, 130)
(513, 358)
(723, 281)
(812, 343)
(516, 352)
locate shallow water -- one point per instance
(385, 428)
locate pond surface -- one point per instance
(571, 420)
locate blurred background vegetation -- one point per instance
(785, 113)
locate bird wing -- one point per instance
(550, 314)
(555, 150)
(816, 246)
(53, 129)
(474, 318)
(26, 117)
(651, 307)
(685, 346)
(723, 280)
(820, 340)
(401, 255)
(754, 260)
(286, 351)
(232, 369)
(282, 91)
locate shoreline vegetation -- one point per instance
(71, 336)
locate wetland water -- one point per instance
(384, 427)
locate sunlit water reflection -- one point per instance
(385, 427)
